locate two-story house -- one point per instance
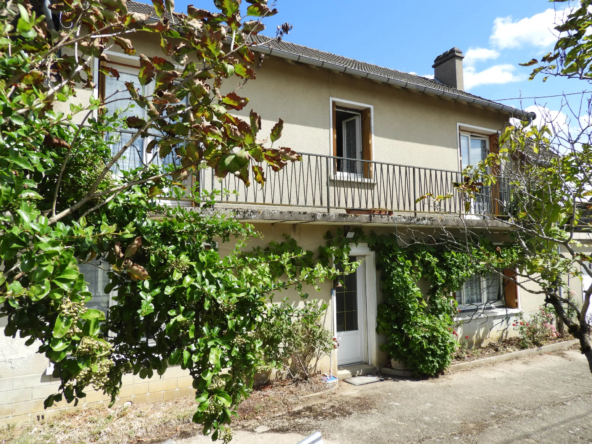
(373, 140)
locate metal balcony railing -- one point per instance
(336, 183)
(359, 186)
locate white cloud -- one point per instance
(550, 117)
(537, 30)
(475, 55)
(494, 75)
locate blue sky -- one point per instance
(494, 35)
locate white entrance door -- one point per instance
(586, 282)
(350, 305)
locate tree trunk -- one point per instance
(559, 321)
(578, 330)
(586, 347)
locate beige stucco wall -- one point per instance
(409, 128)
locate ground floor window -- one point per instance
(95, 275)
(481, 290)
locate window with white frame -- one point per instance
(118, 99)
(352, 140)
(473, 149)
(349, 141)
(481, 290)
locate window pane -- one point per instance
(493, 288)
(133, 157)
(347, 303)
(464, 151)
(97, 279)
(116, 90)
(472, 290)
(478, 150)
(351, 145)
(351, 139)
(118, 99)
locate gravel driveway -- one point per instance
(542, 399)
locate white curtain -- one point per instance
(118, 99)
(97, 279)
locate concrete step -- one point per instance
(350, 371)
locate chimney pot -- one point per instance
(448, 68)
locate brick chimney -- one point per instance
(448, 68)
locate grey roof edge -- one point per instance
(513, 112)
(469, 99)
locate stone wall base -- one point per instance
(21, 398)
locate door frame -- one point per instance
(348, 104)
(370, 306)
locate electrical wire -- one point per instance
(542, 97)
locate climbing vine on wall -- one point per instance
(418, 325)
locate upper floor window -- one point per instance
(473, 149)
(117, 99)
(352, 141)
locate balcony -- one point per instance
(332, 184)
(328, 184)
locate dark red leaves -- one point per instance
(135, 122)
(258, 173)
(276, 131)
(234, 101)
(54, 142)
(198, 14)
(158, 7)
(107, 70)
(146, 70)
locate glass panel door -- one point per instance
(347, 304)
(349, 317)
(352, 144)
(464, 151)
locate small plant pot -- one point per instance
(373, 212)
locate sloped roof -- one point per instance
(315, 57)
(357, 65)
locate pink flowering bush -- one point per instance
(539, 328)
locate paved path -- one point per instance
(543, 399)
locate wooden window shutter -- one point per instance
(367, 141)
(510, 289)
(495, 190)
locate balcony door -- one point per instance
(474, 149)
(352, 141)
(350, 310)
(351, 130)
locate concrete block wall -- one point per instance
(22, 397)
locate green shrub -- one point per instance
(295, 339)
(538, 329)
